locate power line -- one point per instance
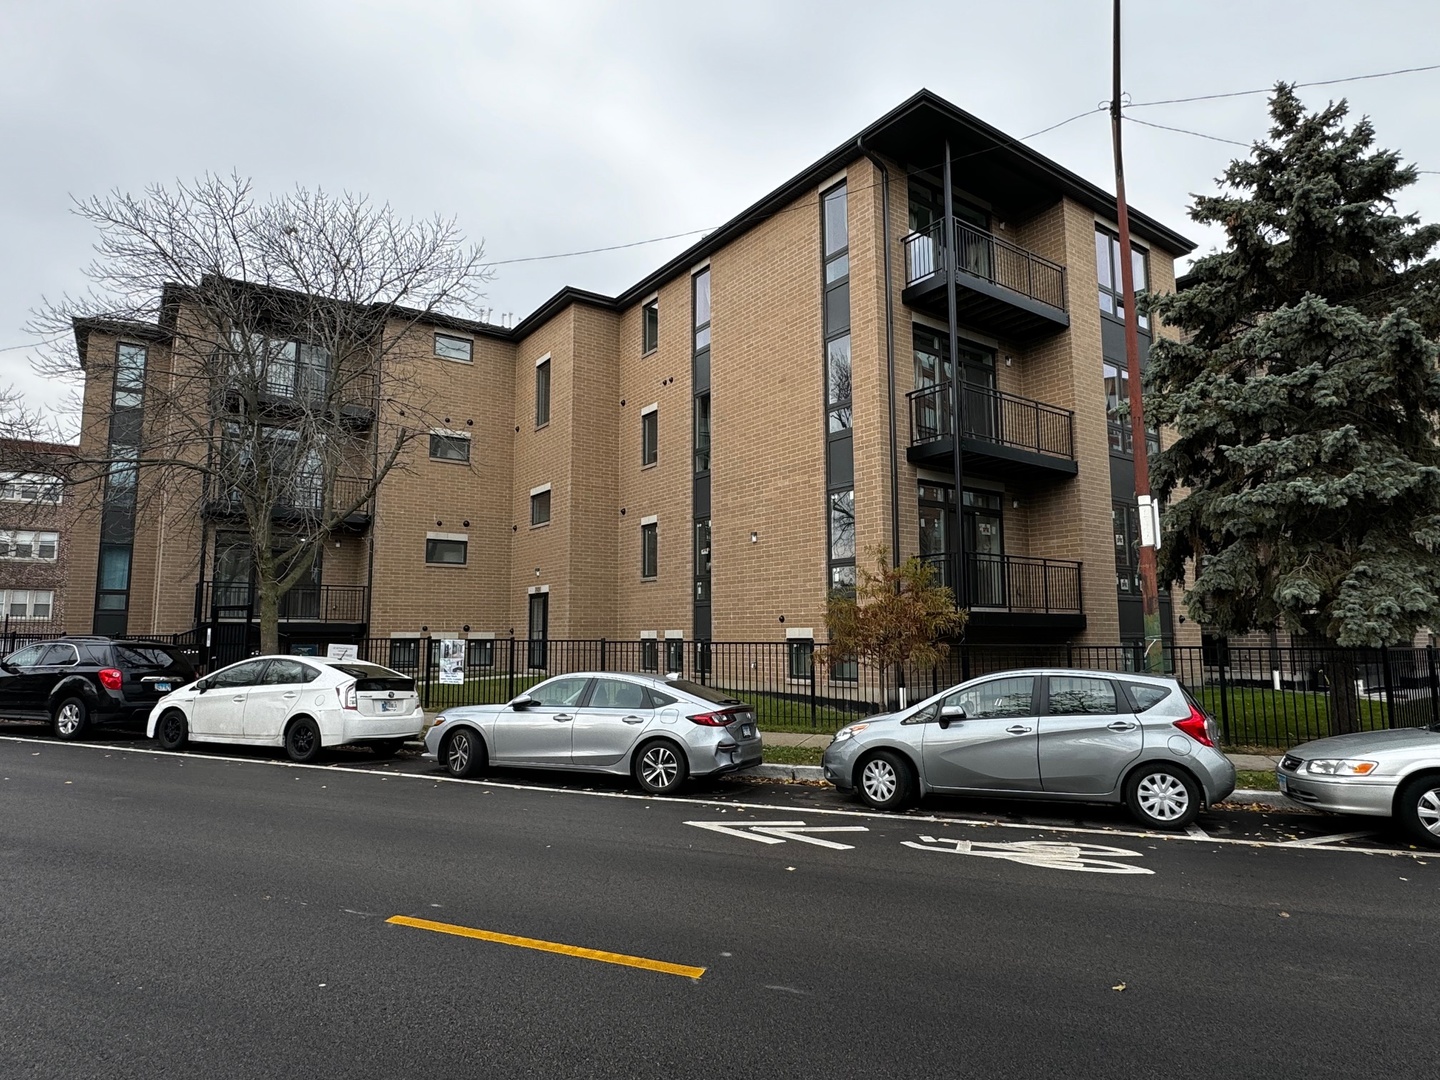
(1187, 131)
(1268, 89)
(593, 251)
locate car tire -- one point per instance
(660, 767)
(1161, 797)
(70, 717)
(172, 731)
(302, 740)
(1417, 808)
(387, 748)
(885, 780)
(463, 753)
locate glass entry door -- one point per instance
(985, 549)
(937, 531)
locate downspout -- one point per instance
(889, 352)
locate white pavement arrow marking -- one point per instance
(1317, 841)
(1051, 854)
(777, 832)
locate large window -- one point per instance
(449, 347)
(649, 436)
(449, 446)
(650, 327)
(649, 550)
(1117, 413)
(542, 393)
(29, 545)
(28, 603)
(1125, 517)
(30, 487)
(1108, 270)
(840, 445)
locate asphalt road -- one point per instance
(225, 915)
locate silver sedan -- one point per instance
(659, 730)
(1376, 773)
(1080, 736)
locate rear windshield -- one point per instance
(704, 693)
(133, 654)
(375, 677)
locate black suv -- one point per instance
(77, 681)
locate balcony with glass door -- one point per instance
(1013, 591)
(1000, 287)
(1002, 434)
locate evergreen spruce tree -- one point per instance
(1306, 398)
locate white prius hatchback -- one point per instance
(301, 703)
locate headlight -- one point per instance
(849, 732)
(440, 720)
(1341, 767)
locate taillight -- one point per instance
(346, 694)
(722, 718)
(110, 678)
(1197, 726)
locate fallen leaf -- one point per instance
(1284, 914)
(1118, 986)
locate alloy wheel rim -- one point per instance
(69, 721)
(1428, 810)
(659, 767)
(1163, 797)
(880, 780)
(172, 729)
(459, 753)
(302, 739)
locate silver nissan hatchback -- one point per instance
(1066, 735)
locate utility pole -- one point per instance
(1149, 509)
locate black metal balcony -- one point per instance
(999, 287)
(1003, 434)
(1014, 590)
(295, 389)
(237, 600)
(304, 502)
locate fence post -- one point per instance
(510, 671)
(813, 718)
(1389, 688)
(1434, 686)
(1224, 693)
(602, 655)
(965, 663)
(425, 670)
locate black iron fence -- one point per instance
(1012, 582)
(1261, 697)
(986, 256)
(992, 416)
(225, 600)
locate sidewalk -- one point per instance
(820, 740)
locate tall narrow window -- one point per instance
(1107, 271)
(839, 445)
(702, 560)
(540, 506)
(650, 327)
(649, 549)
(702, 309)
(542, 393)
(702, 433)
(649, 435)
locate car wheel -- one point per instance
(172, 731)
(1160, 797)
(885, 780)
(302, 741)
(388, 748)
(463, 754)
(660, 768)
(1418, 808)
(70, 718)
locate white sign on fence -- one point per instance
(342, 652)
(452, 661)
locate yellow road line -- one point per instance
(549, 946)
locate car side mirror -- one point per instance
(524, 701)
(950, 714)
(201, 686)
(5, 665)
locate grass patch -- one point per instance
(793, 755)
(1264, 719)
(1260, 779)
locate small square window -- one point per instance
(454, 348)
(404, 654)
(649, 550)
(802, 655)
(649, 437)
(540, 507)
(481, 653)
(844, 669)
(542, 393)
(45, 546)
(446, 552)
(650, 332)
(19, 605)
(649, 655)
(41, 604)
(675, 655)
(447, 447)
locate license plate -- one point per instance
(163, 687)
(389, 706)
(747, 731)
(1283, 782)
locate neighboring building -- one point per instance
(36, 520)
(708, 454)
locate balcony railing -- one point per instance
(983, 255)
(1014, 583)
(308, 387)
(305, 499)
(318, 603)
(992, 416)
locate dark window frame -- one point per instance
(650, 327)
(442, 439)
(469, 343)
(542, 393)
(540, 500)
(1112, 294)
(649, 437)
(649, 551)
(433, 546)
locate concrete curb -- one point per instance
(1272, 800)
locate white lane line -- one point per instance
(866, 815)
(1320, 841)
(1196, 833)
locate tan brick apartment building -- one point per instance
(707, 454)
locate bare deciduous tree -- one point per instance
(285, 387)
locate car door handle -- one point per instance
(1019, 729)
(241, 697)
(634, 719)
(291, 694)
(1122, 725)
(562, 717)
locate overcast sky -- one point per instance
(550, 126)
